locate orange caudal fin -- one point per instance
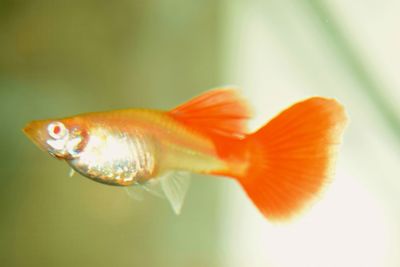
(218, 112)
(290, 159)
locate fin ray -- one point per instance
(135, 192)
(71, 172)
(220, 112)
(138, 191)
(175, 186)
(288, 168)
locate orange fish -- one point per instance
(281, 166)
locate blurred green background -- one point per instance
(60, 58)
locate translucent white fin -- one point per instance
(138, 191)
(135, 192)
(172, 185)
(154, 187)
(175, 185)
(71, 172)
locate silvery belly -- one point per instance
(115, 158)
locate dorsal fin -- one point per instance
(216, 112)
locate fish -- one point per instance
(282, 167)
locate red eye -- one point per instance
(56, 129)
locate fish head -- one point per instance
(63, 139)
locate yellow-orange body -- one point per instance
(131, 146)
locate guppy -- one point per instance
(282, 166)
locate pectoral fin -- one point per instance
(138, 191)
(135, 192)
(71, 172)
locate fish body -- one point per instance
(132, 146)
(281, 166)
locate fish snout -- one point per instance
(37, 132)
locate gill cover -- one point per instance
(65, 143)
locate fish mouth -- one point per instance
(36, 132)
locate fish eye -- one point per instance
(57, 130)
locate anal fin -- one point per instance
(175, 185)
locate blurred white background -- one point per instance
(284, 51)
